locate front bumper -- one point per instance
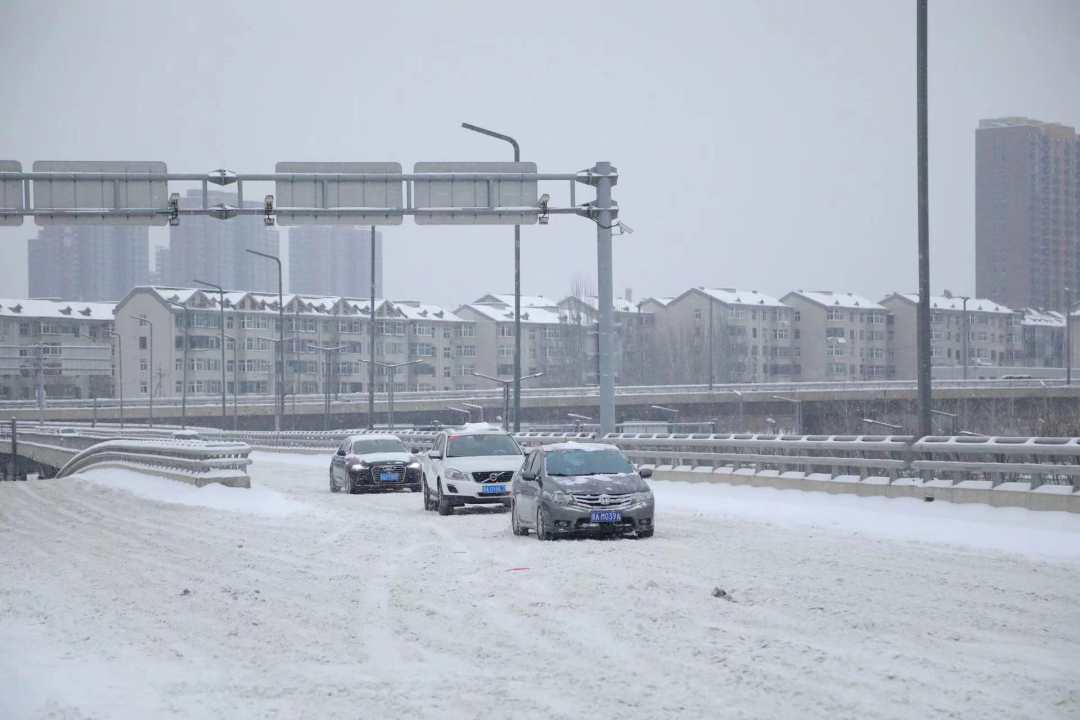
(363, 481)
(572, 519)
(468, 492)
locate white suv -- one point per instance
(470, 466)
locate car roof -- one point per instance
(373, 436)
(476, 429)
(570, 445)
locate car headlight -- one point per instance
(562, 498)
(414, 465)
(643, 497)
(357, 467)
(455, 474)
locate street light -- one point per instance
(738, 395)
(184, 390)
(392, 367)
(463, 411)
(897, 428)
(326, 382)
(474, 406)
(144, 321)
(517, 279)
(953, 417)
(120, 368)
(578, 419)
(798, 411)
(280, 374)
(506, 385)
(221, 306)
(1068, 336)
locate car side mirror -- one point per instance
(416, 451)
(645, 473)
(340, 453)
(434, 455)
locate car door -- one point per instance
(337, 464)
(434, 459)
(526, 492)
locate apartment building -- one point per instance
(633, 337)
(65, 347)
(727, 335)
(546, 341)
(87, 262)
(841, 335)
(994, 332)
(169, 319)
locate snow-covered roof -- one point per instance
(530, 301)
(940, 302)
(572, 445)
(662, 301)
(832, 298)
(731, 296)
(425, 311)
(621, 304)
(63, 309)
(480, 428)
(173, 294)
(529, 315)
(1034, 317)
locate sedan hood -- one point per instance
(486, 462)
(597, 484)
(381, 457)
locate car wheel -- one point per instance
(542, 531)
(333, 485)
(429, 504)
(443, 504)
(515, 524)
(645, 533)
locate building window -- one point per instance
(142, 342)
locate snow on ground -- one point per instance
(122, 606)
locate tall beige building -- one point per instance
(1027, 212)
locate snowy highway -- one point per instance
(125, 596)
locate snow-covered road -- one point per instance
(127, 597)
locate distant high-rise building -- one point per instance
(333, 260)
(214, 250)
(1027, 212)
(88, 262)
(161, 262)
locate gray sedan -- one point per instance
(580, 488)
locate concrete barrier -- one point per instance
(1060, 498)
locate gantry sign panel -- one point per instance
(125, 192)
(11, 193)
(339, 201)
(509, 185)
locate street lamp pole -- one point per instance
(517, 279)
(798, 411)
(187, 344)
(967, 332)
(120, 368)
(392, 368)
(221, 306)
(144, 321)
(474, 406)
(506, 384)
(371, 340)
(280, 374)
(710, 343)
(328, 350)
(1068, 336)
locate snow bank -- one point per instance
(1014, 530)
(256, 500)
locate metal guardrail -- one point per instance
(194, 461)
(404, 397)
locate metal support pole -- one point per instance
(279, 371)
(506, 407)
(93, 416)
(183, 394)
(14, 449)
(390, 396)
(221, 309)
(120, 368)
(924, 377)
(371, 341)
(1068, 336)
(39, 376)
(710, 344)
(967, 332)
(604, 282)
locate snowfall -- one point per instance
(128, 596)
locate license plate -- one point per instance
(387, 476)
(606, 516)
(492, 489)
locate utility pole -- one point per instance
(221, 307)
(184, 376)
(922, 135)
(1068, 336)
(710, 344)
(280, 369)
(967, 332)
(371, 341)
(120, 367)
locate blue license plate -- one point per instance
(387, 476)
(606, 516)
(492, 489)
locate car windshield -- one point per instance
(587, 462)
(377, 445)
(481, 445)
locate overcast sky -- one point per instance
(760, 145)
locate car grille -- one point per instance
(372, 473)
(609, 501)
(493, 476)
